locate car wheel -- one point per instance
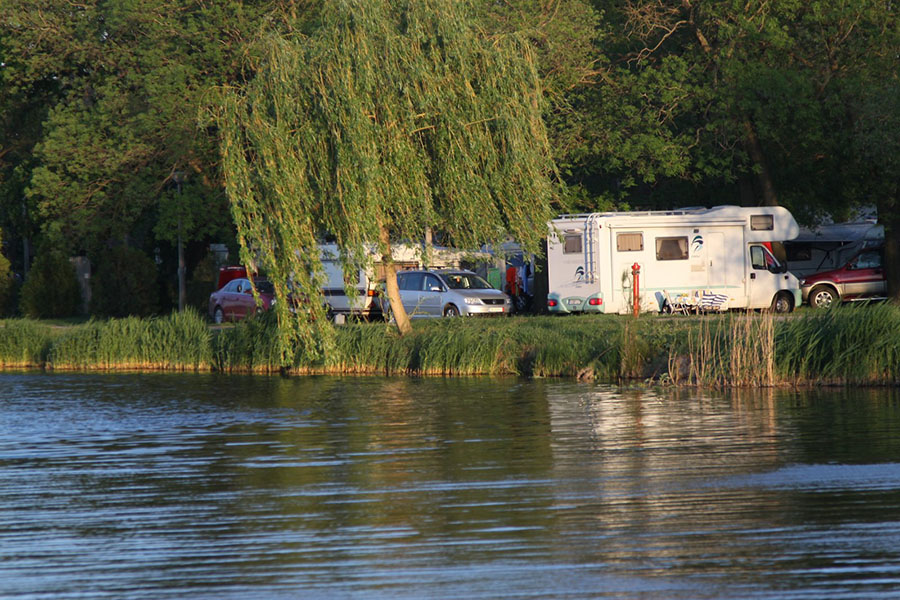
(782, 304)
(451, 311)
(218, 315)
(823, 296)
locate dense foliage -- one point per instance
(124, 284)
(394, 117)
(51, 288)
(7, 283)
(648, 104)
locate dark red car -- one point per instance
(862, 278)
(235, 300)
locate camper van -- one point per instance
(717, 258)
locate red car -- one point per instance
(862, 278)
(235, 300)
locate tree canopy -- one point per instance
(389, 119)
(99, 108)
(646, 104)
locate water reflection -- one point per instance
(165, 486)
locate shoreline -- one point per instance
(842, 347)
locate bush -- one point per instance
(125, 284)
(7, 284)
(51, 288)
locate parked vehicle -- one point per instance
(235, 300)
(862, 278)
(725, 251)
(364, 285)
(229, 272)
(448, 293)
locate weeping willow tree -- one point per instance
(392, 118)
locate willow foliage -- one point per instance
(393, 116)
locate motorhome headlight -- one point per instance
(473, 300)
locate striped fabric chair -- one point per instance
(712, 301)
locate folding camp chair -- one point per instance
(678, 306)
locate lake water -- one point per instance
(196, 486)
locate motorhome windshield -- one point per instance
(466, 281)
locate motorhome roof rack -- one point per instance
(641, 213)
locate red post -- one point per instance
(636, 288)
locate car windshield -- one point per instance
(466, 281)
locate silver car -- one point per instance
(448, 293)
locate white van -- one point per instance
(726, 252)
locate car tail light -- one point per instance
(595, 301)
(551, 303)
(371, 293)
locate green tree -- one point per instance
(390, 118)
(111, 92)
(756, 102)
(7, 283)
(124, 284)
(51, 288)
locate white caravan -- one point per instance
(724, 252)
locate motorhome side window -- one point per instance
(629, 242)
(672, 248)
(762, 222)
(572, 243)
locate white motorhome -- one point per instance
(364, 285)
(725, 252)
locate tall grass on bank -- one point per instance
(849, 345)
(857, 344)
(585, 347)
(179, 342)
(728, 350)
(24, 343)
(249, 347)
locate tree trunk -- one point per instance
(890, 219)
(763, 177)
(390, 283)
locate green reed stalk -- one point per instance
(24, 343)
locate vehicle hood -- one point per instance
(485, 293)
(831, 275)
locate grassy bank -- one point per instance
(850, 345)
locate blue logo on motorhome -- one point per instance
(697, 244)
(579, 273)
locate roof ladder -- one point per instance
(589, 258)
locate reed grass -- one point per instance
(858, 344)
(249, 347)
(849, 345)
(24, 343)
(733, 350)
(179, 342)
